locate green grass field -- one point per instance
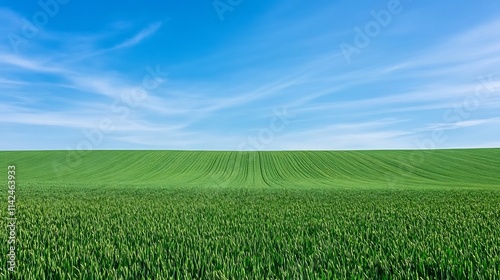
(255, 215)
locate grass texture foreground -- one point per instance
(254, 215)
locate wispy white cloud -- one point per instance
(315, 85)
(446, 73)
(383, 134)
(9, 82)
(28, 64)
(103, 85)
(139, 37)
(382, 139)
(74, 121)
(128, 43)
(461, 124)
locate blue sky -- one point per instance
(249, 75)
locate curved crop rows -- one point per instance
(255, 215)
(265, 169)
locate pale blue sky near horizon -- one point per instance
(249, 75)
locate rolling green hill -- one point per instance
(479, 167)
